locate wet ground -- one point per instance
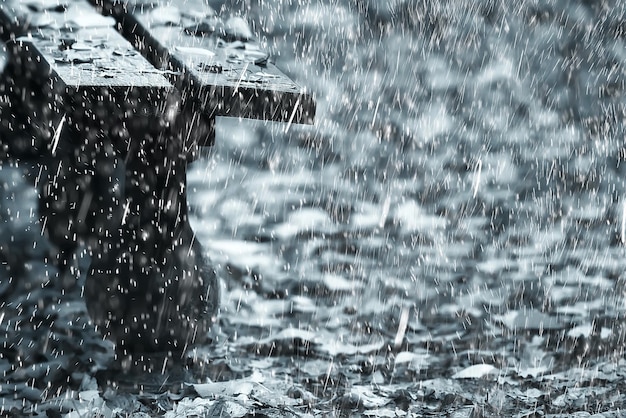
(448, 239)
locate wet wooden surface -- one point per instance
(76, 46)
(20, 17)
(227, 72)
(92, 57)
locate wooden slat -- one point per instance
(22, 17)
(77, 70)
(100, 81)
(91, 58)
(76, 45)
(227, 78)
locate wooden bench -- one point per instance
(115, 130)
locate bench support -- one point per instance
(149, 286)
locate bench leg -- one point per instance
(80, 198)
(149, 287)
(153, 290)
(23, 127)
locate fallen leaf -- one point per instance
(529, 319)
(476, 371)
